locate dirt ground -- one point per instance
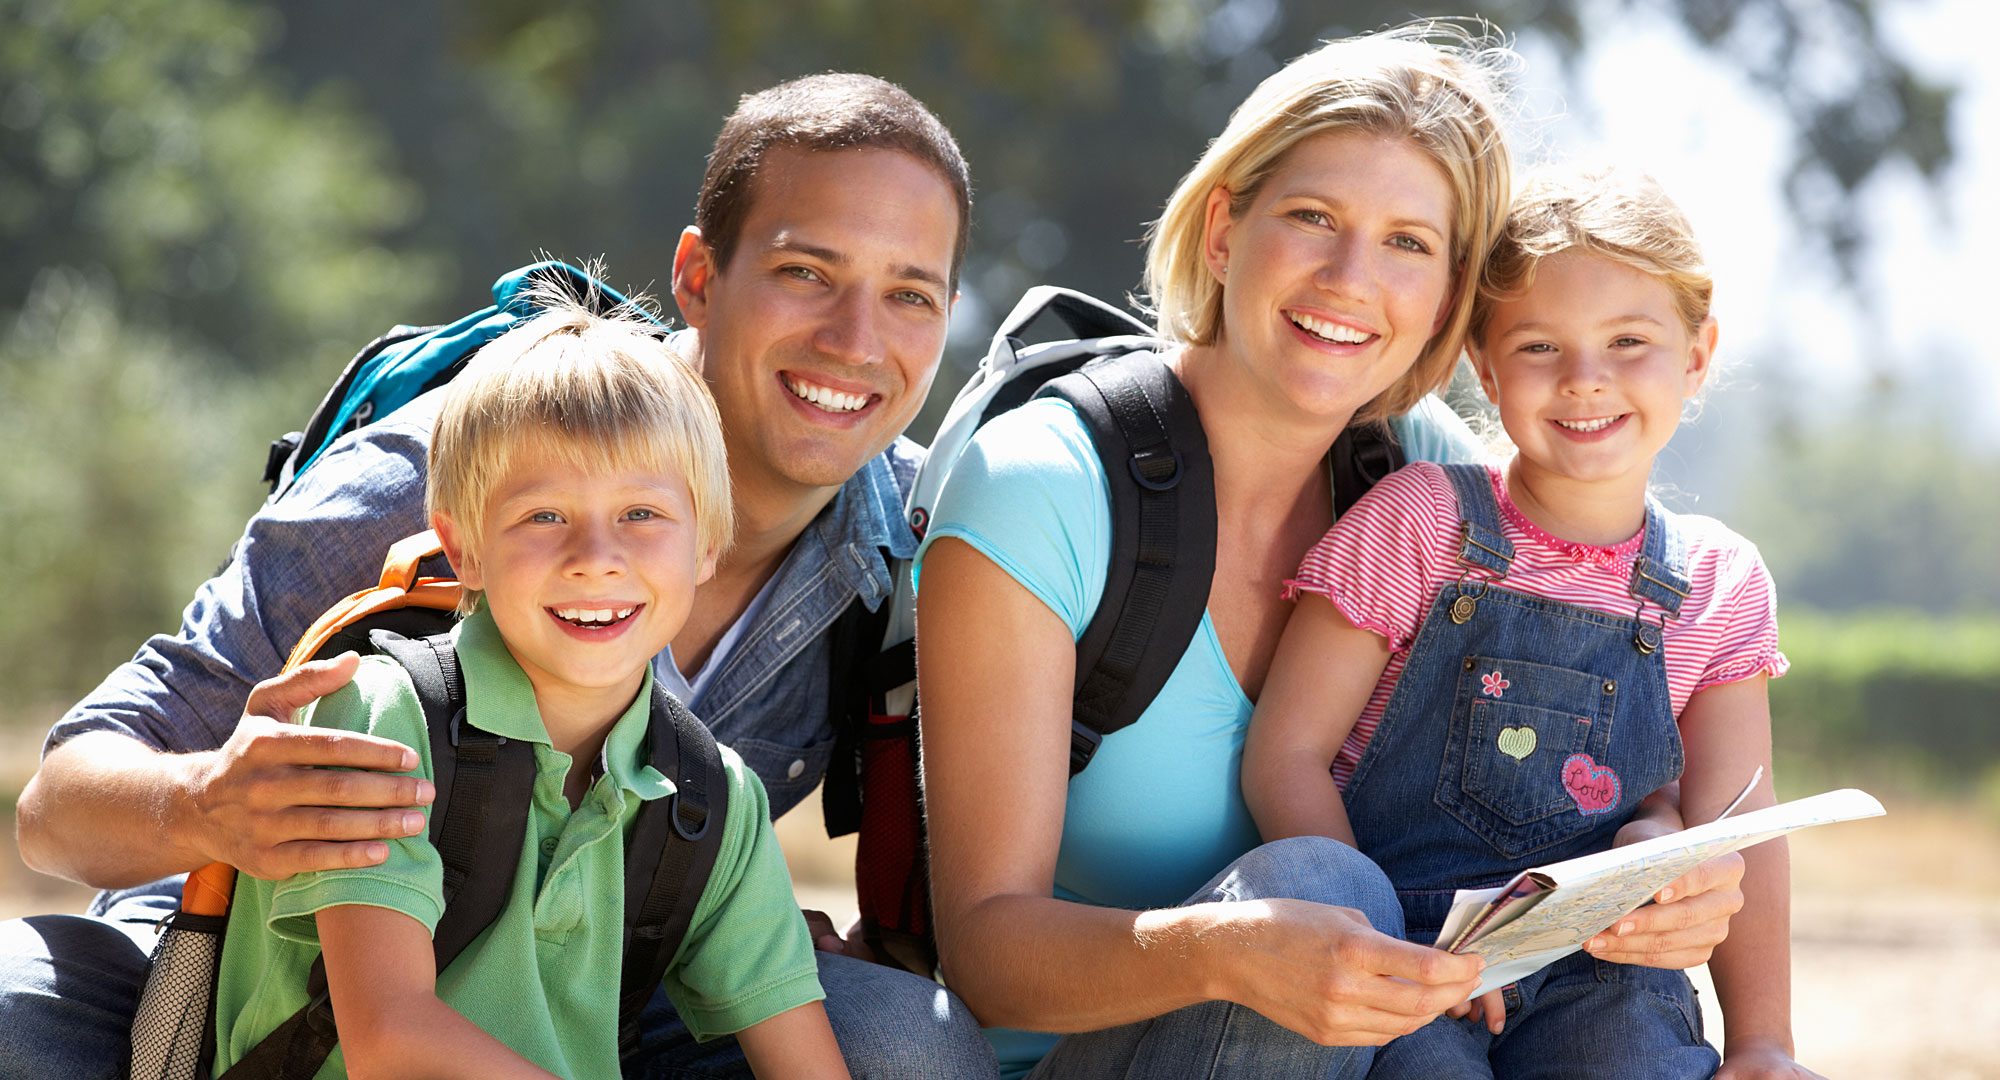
(1896, 925)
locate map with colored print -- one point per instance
(1550, 911)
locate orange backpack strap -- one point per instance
(208, 889)
(400, 587)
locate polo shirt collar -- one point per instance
(500, 699)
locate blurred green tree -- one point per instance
(1876, 509)
(208, 205)
(146, 139)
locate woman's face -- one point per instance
(1337, 273)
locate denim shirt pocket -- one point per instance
(1514, 726)
(789, 772)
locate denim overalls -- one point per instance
(1525, 731)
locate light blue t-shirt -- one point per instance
(1160, 809)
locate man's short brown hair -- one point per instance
(835, 111)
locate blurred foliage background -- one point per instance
(208, 205)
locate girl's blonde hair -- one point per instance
(1437, 84)
(1618, 214)
(598, 392)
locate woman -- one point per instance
(1316, 268)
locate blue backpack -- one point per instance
(408, 360)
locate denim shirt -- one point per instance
(325, 538)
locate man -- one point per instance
(816, 283)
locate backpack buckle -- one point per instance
(674, 811)
(1140, 472)
(1083, 744)
(458, 721)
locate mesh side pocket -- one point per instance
(891, 870)
(169, 1034)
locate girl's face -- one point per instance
(1589, 368)
(1337, 273)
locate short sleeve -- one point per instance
(301, 553)
(1384, 559)
(1029, 493)
(380, 701)
(1431, 431)
(1746, 599)
(747, 955)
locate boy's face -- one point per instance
(820, 337)
(588, 575)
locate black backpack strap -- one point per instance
(1162, 483)
(1360, 458)
(480, 817)
(670, 855)
(477, 824)
(860, 671)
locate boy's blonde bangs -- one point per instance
(1615, 213)
(1438, 84)
(598, 393)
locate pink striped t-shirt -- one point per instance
(1383, 562)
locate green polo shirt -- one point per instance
(544, 979)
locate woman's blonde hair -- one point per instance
(1440, 85)
(598, 392)
(1618, 214)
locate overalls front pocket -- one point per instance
(1523, 765)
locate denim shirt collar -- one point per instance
(862, 523)
(843, 553)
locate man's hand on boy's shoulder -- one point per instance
(278, 799)
(268, 801)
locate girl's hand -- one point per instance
(1490, 1007)
(1762, 1060)
(1688, 919)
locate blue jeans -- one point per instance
(1221, 1038)
(1580, 1018)
(69, 985)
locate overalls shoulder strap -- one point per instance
(1659, 574)
(1481, 543)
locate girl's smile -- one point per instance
(1589, 367)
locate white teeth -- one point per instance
(594, 616)
(1598, 424)
(824, 397)
(1338, 333)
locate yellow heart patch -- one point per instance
(1517, 742)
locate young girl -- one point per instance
(1512, 658)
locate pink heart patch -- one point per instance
(1593, 786)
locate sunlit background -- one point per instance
(208, 205)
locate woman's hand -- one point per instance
(1324, 972)
(1762, 1060)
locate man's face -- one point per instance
(820, 337)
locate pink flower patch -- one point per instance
(1494, 685)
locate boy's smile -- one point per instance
(588, 571)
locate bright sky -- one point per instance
(1649, 97)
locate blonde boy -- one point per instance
(578, 483)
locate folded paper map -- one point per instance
(1547, 913)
